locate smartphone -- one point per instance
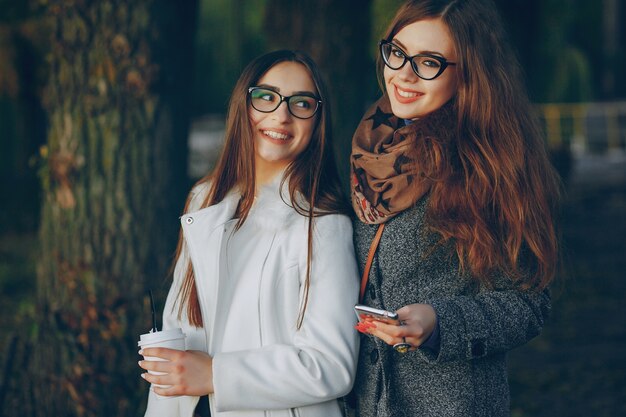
(377, 314)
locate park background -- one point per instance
(111, 109)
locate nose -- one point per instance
(282, 113)
(406, 73)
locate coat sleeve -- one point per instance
(489, 323)
(181, 405)
(320, 363)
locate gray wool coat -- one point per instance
(478, 326)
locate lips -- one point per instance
(406, 96)
(276, 135)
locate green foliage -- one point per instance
(560, 68)
(382, 12)
(229, 35)
(571, 77)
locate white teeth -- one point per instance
(406, 94)
(275, 135)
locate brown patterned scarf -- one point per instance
(386, 177)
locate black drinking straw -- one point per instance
(154, 325)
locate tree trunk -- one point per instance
(113, 185)
(611, 23)
(336, 33)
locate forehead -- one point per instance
(288, 77)
(431, 35)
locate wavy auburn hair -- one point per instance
(313, 174)
(495, 193)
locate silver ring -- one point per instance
(402, 347)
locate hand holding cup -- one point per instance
(178, 372)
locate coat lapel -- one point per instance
(203, 231)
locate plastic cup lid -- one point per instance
(161, 336)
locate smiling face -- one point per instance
(279, 137)
(410, 96)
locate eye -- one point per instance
(430, 62)
(302, 102)
(265, 95)
(397, 52)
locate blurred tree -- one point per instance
(22, 119)
(566, 74)
(611, 22)
(337, 35)
(382, 13)
(113, 179)
(229, 36)
(523, 25)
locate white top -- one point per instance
(239, 295)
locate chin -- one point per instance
(402, 112)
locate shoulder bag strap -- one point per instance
(370, 259)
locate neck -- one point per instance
(266, 172)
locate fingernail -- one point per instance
(140, 351)
(143, 376)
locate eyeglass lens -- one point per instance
(266, 101)
(425, 66)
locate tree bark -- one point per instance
(113, 184)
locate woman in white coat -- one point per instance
(265, 278)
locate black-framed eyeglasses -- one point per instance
(302, 106)
(425, 66)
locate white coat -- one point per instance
(295, 372)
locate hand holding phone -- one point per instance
(376, 314)
(384, 316)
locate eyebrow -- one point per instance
(295, 93)
(397, 42)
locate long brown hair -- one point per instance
(313, 174)
(496, 192)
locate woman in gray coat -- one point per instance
(451, 163)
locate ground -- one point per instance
(576, 367)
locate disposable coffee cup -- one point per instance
(171, 338)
